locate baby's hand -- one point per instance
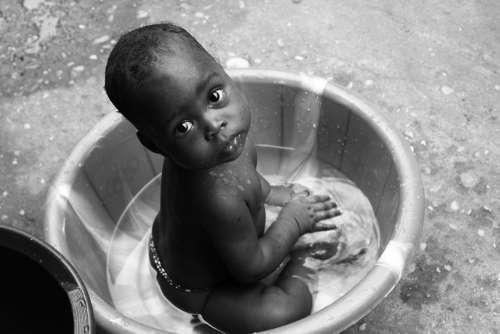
(306, 212)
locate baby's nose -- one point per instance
(213, 127)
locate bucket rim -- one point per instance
(57, 266)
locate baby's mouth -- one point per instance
(235, 143)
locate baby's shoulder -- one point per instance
(221, 203)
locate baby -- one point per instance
(208, 244)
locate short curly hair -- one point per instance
(133, 59)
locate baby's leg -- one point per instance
(256, 307)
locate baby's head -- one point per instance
(179, 98)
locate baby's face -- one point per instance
(196, 115)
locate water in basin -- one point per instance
(132, 283)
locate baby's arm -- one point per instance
(247, 257)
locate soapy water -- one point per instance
(341, 257)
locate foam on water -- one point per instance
(132, 282)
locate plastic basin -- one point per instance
(305, 115)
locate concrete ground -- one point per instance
(431, 67)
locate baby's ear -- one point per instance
(148, 143)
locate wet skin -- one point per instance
(209, 233)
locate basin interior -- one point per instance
(284, 114)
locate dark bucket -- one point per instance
(40, 292)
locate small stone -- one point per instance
(237, 62)
(48, 28)
(75, 71)
(199, 14)
(27, 126)
(299, 58)
(280, 43)
(408, 134)
(81, 26)
(469, 179)
(446, 90)
(14, 162)
(453, 227)
(481, 232)
(362, 327)
(5, 193)
(497, 87)
(32, 4)
(142, 14)
(93, 57)
(22, 212)
(454, 206)
(368, 83)
(447, 267)
(5, 217)
(101, 39)
(423, 246)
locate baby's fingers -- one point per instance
(324, 225)
(317, 198)
(324, 206)
(322, 215)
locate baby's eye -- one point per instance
(216, 96)
(183, 127)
